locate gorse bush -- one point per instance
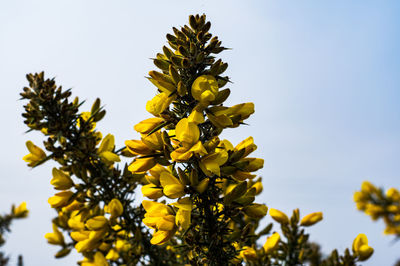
(201, 189)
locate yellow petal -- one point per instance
(60, 199)
(115, 208)
(142, 164)
(61, 180)
(20, 211)
(183, 218)
(109, 156)
(97, 223)
(272, 242)
(152, 192)
(148, 125)
(107, 144)
(161, 237)
(187, 132)
(138, 147)
(159, 103)
(205, 83)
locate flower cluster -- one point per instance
(180, 151)
(93, 199)
(379, 204)
(201, 189)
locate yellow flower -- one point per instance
(159, 103)
(203, 185)
(122, 245)
(244, 110)
(142, 164)
(172, 186)
(183, 216)
(161, 237)
(374, 210)
(61, 180)
(20, 211)
(210, 164)
(272, 242)
(75, 221)
(248, 253)
(55, 238)
(256, 210)
(35, 156)
(278, 216)
(187, 132)
(154, 141)
(311, 219)
(196, 116)
(248, 145)
(112, 255)
(146, 126)
(361, 248)
(80, 235)
(160, 217)
(155, 172)
(151, 191)
(90, 243)
(183, 154)
(115, 208)
(393, 194)
(368, 188)
(205, 89)
(97, 223)
(106, 148)
(60, 199)
(138, 147)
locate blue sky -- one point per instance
(324, 77)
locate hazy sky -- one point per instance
(324, 76)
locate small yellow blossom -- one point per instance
(60, 199)
(278, 216)
(272, 243)
(159, 103)
(147, 125)
(20, 211)
(361, 248)
(97, 223)
(172, 186)
(311, 219)
(115, 208)
(35, 156)
(205, 89)
(61, 180)
(55, 238)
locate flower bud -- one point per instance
(115, 208)
(278, 216)
(272, 242)
(311, 219)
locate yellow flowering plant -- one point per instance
(201, 189)
(95, 215)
